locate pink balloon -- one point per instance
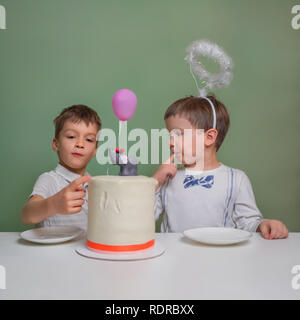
(124, 104)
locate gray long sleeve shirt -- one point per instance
(222, 197)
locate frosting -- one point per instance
(121, 210)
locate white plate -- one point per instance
(218, 236)
(48, 235)
(155, 251)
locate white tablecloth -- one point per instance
(256, 269)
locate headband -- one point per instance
(209, 80)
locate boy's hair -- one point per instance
(199, 113)
(76, 113)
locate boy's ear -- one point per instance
(55, 144)
(211, 136)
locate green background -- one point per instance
(56, 53)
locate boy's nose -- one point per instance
(79, 144)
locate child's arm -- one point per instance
(246, 214)
(36, 210)
(167, 170)
(248, 217)
(67, 201)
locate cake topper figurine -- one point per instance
(128, 166)
(209, 80)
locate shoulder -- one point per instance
(49, 180)
(47, 177)
(46, 185)
(244, 182)
(239, 176)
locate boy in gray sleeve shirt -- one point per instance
(215, 195)
(59, 196)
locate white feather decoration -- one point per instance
(210, 50)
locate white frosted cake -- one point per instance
(121, 213)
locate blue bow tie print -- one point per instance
(191, 181)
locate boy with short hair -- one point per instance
(215, 195)
(59, 196)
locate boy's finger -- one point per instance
(77, 195)
(77, 182)
(75, 210)
(274, 233)
(77, 203)
(265, 231)
(281, 233)
(170, 159)
(80, 188)
(173, 172)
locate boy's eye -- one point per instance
(176, 132)
(90, 140)
(71, 137)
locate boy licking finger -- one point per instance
(213, 195)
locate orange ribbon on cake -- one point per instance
(134, 247)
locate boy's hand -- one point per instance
(273, 229)
(70, 199)
(167, 169)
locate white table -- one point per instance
(256, 269)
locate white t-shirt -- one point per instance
(222, 197)
(48, 184)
